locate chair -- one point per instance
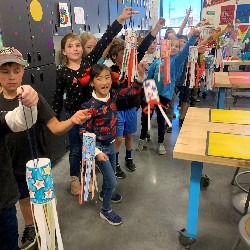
(244, 232)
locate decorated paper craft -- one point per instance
(152, 98)
(228, 145)
(64, 15)
(241, 117)
(192, 61)
(165, 56)
(129, 64)
(43, 205)
(227, 14)
(88, 167)
(209, 70)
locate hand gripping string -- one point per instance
(29, 135)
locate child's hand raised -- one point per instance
(127, 13)
(196, 32)
(160, 23)
(80, 116)
(141, 71)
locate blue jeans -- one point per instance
(107, 169)
(8, 229)
(75, 148)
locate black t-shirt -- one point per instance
(18, 143)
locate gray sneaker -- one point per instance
(161, 149)
(141, 144)
(29, 238)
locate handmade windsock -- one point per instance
(192, 61)
(152, 98)
(88, 167)
(129, 64)
(43, 205)
(165, 57)
(209, 69)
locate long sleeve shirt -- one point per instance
(176, 68)
(104, 113)
(67, 79)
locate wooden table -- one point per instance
(236, 62)
(225, 80)
(191, 145)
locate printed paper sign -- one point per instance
(79, 15)
(64, 15)
(227, 14)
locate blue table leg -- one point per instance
(221, 98)
(194, 196)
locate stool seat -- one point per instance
(244, 232)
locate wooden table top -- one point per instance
(192, 140)
(232, 79)
(236, 62)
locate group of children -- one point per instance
(94, 103)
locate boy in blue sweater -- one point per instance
(177, 62)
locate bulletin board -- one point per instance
(221, 12)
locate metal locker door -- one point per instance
(103, 15)
(14, 22)
(30, 78)
(113, 11)
(91, 13)
(41, 32)
(56, 29)
(47, 81)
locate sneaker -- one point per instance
(111, 217)
(119, 173)
(130, 164)
(141, 144)
(29, 238)
(168, 129)
(197, 100)
(161, 149)
(116, 198)
(74, 185)
(148, 136)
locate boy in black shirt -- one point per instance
(11, 74)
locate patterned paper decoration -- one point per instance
(88, 166)
(129, 64)
(41, 189)
(152, 98)
(165, 55)
(192, 60)
(209, 70)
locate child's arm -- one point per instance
(146, 42)
(184, 23)
(57, 103)
(107, 38)
(59, 128)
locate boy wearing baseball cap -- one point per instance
(12, 121)
(12, 67)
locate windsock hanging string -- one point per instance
(192, 60)
(165, 56)
(129, 63)
(152, 98)
(88, 167)
(43, 206)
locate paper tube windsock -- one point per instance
(129, 63)
(209, 69)
(165, 57)
(152, 98)
(192, 60)
(88, 167)
(43, 205)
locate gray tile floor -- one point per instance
(154, 206)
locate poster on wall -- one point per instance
(227, 14)
(243, 13)
(79, 15)
(64, 15)
(208, 3)
(244, 32)
(210, 16)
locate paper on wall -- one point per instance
(79, 15)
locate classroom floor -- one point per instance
(154, 205)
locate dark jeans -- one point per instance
(75, 148)
(160, 121)
(8, 229)
(108, 169)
